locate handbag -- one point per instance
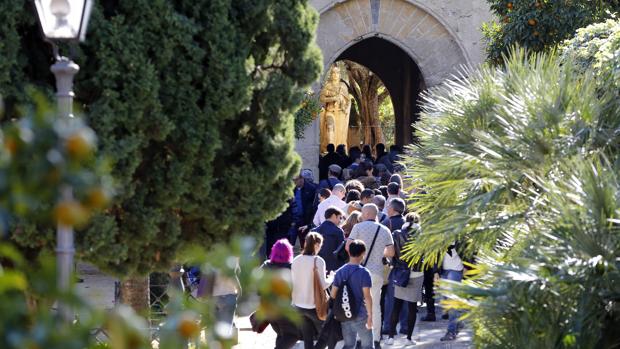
(321, 299)
(341, 252)
(400, 276)
(257, 325)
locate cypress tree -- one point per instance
(193, 102)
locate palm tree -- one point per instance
(521, 165)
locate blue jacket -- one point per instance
(333, 236)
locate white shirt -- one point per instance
(302, 272)
(332, 200)
(453, 262)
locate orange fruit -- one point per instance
(79, 145)
(531, 21)
(188, 327)
(509, 5)
(70, 213)
(97, 198)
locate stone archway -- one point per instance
(437, 36)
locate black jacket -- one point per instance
(333, 236)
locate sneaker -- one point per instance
(377, 345)
(389, 341)
(449, 336)
(409, 342)
(429, 317)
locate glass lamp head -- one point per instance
(63, 20)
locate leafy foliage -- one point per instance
(514, 165)
(540, 24)
(306, 114)
(193, 102)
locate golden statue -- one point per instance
(335, 114)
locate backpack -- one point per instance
(345, 305)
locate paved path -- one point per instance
(426, 335)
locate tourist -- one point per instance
(379, 201)
(332, 235)
(333, 177)
(358, 280)
(452, 270)
(280, 262)
(382, 174)
(302, 270)
(356, 159)
(366, 196)
(396, 178)
(354, 206)
(324, 193)
(367, 151)
(345, 161)
(379, 238)
(380, 151)
(411, 293)
(354, 218)
(352, 195)
(354, 184)
(327, 160)
(303, 210)
(366, 177)
(385, 159)
(279, 228)
(394, 220)
(393, 191)
(335, 199)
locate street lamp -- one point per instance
(64, 21)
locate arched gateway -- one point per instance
(410, 44)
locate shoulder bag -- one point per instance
(321, 299)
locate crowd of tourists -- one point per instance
(352, 227)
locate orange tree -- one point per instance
(192, 100)
(540, 24)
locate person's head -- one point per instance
(357, 158)
(367, 151)
(412, 217)
(354, 184)
(324, 193)
(394, 148)
(377, 192)
(379, 200)
(357, 250)
(396, 178)
(307, 174)
(366, 196)
(353, 218)
(366, 168)
(281, 252)
(334, 170)
(393, 188)
(341, 149)
(352, 195)
(369, 212)
(334, 215)
(354, 206)
(314, 241)
(330, 148)
(299, 181)
(396, 207)
(383, 190)
(339, 191)
(380, 148)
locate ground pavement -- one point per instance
(426, 335)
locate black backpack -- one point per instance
(345, 306)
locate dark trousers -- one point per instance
(411, 316)
(288, 333)
(310, 326)
(429, 296)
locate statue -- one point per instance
(335, 113)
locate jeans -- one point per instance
(453, 315)
(356, 327)
(225, 307)
(375, 293)
(389, 305)
(310, 326)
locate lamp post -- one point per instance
(64, 21)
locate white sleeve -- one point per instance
(315, 220)
(322, 272)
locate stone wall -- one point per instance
(440, 36)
